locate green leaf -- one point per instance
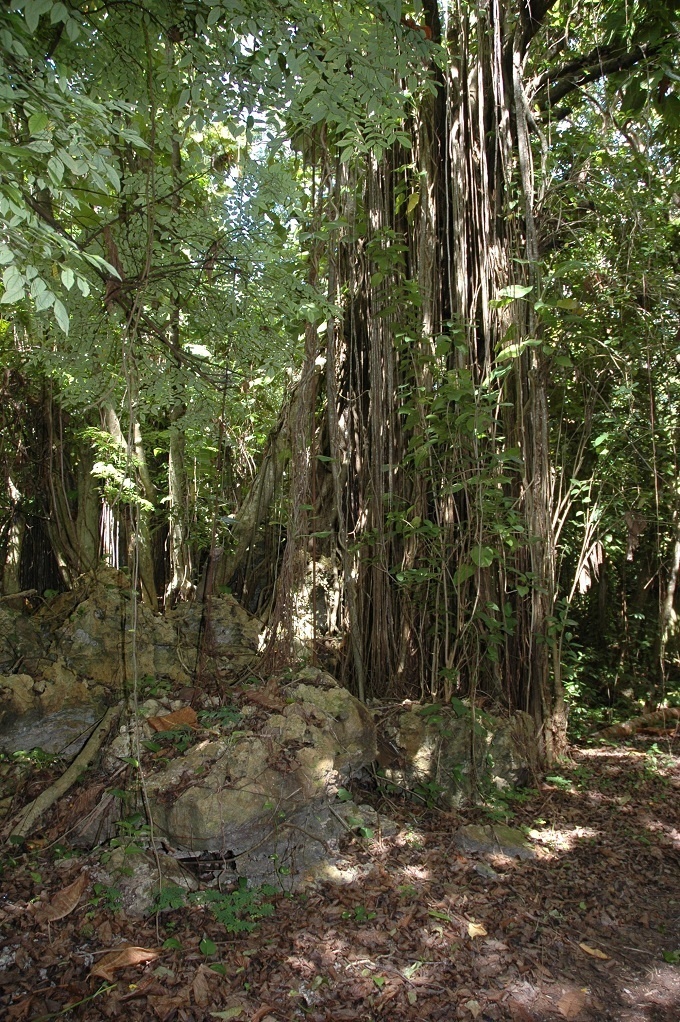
(68, 277)
(55, 169)
(462, 573)
(72, 29)
(482, 555)
(514, 291)
(413, 200)
(45, 300)
(207, 947)
(32, 15)
(58, 13)
(37, 122)
(61, 315)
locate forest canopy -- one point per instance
(365, 313)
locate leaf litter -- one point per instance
(586, 931)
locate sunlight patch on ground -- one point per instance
(409, 874)
(661, 988)
(563, 840)
(410, 838)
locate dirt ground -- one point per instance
(587, 930)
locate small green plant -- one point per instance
(151, 687)
(207, 947)
(563, 783)
(429, 792)
(179, 739)
(106, 897)
(672, 957)
(172, 944)
(238, 910)
(223, 716)
(170, 898)
(34, 757)
(360, 914)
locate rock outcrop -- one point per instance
(443, 756)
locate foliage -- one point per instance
(238, 910)
(234, 233)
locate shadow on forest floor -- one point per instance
(588, 930)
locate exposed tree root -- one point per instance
(30, 814)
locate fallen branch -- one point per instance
(30, 814)
(18, 596)
(659, 718)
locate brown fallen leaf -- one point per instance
(63, 902)
(261, 1012)
(476, 930)
(594, 952)
(178, 718)
(166, 1006)
(268, 699)
(200, 986)
(572, 1003)
(121, 959)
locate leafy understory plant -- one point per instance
(239, 910)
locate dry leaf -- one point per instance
(165, 1006)
(474, 1008)
(594, 952)
(572, 1004)
(268, 700)
(476, 930)
(229, 1013)
(261, 1012)
(63, 902)
(178, 718)
(200, 986)
(412, 997)
(121, 959)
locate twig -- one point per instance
(107, 988)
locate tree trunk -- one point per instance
(11, 578)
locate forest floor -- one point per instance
(587, 930)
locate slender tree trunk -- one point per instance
(11, 580)
(146, 569)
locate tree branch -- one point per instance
(551, 87)
(532, 15)
(124, 300)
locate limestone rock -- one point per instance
(20, 637)
(263, 798)
(62, 733)
(134, 874)
(445, 757)
(16, 694)
(496, 839)
(227, 631)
